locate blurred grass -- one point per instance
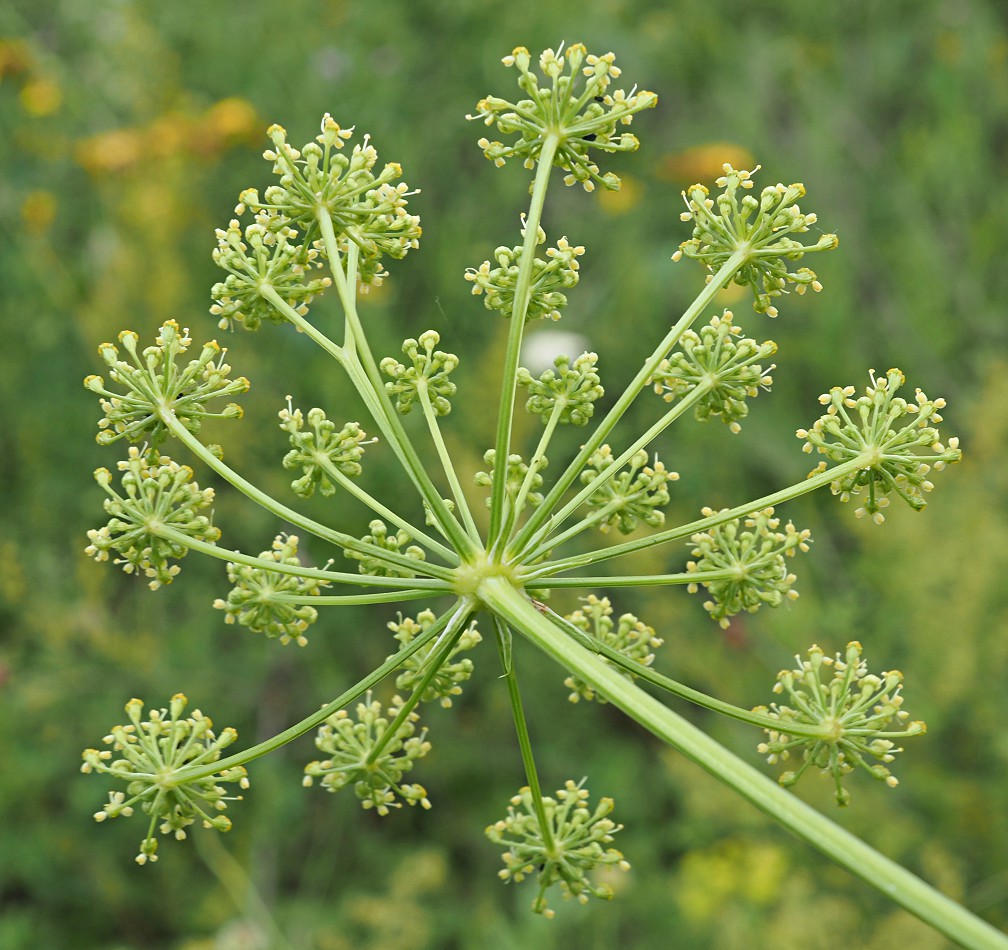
(131, 126)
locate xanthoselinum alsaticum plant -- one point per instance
(451, 550)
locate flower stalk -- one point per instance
(908, 890)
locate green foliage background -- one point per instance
(131, 126)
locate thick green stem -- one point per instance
(905, 888)
(516, 328)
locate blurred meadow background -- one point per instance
(129, 129)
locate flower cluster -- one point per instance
(742, 563)
(568, 392)
(335, 215)
(452, 672)
(429, 517)
(380, 538)
(155, 383)
(722, 367)
(428, 371)
(634, 494)
(253, 601)
(516, 472)
(627, 635)
(887, 431)
(322, 454)
(321, 188)
(853, 708)
(160, 496)
(761, 227)
(583, 118)
(548, 281)
(265, 256)
(371, 754)
(573, 843)
(152, 752)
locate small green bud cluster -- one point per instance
(516, 472)
(366, 209)
(429, 517)
(155, 383)
(151, 752)
(854, 708)
(549, 279)
(758, 226)
(627, 497)
(350, 747)
(428, 370)
(583, 118)
(887, 430)
(566, 852)
(252, 602)
(719, 364)
(157, 493)
(266, 254)
(746, 562)
(570, 390)
(320, 452)
(380, 538)
(452, 672)
(627, 635)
